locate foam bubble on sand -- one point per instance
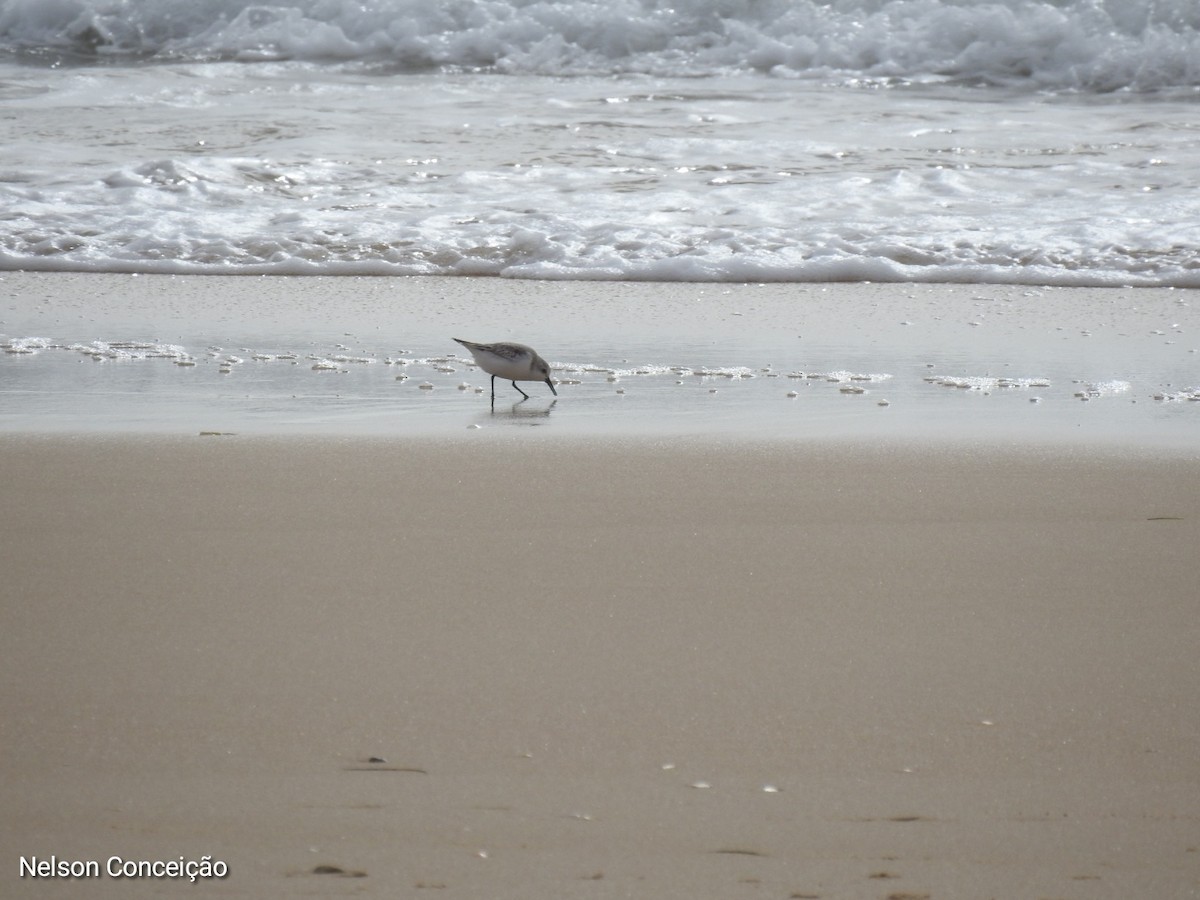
(130, 350)
(1176, 396)
(841, 375)
(25, 346)
(986, 382)
(615, 373)
(1089, 390)
(723, 372)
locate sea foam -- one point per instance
(967, 141)
(1063, 44)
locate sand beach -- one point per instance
(567, 657)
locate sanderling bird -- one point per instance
(516, 362)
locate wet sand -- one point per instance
(1001, 365)
(521, 668)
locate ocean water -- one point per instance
(1036, 142)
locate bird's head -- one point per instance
(543, 369)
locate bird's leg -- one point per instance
(521, 392)
(493, 392)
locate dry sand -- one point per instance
(626, 669)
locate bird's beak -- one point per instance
(551, 384)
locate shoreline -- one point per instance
(373, 356)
